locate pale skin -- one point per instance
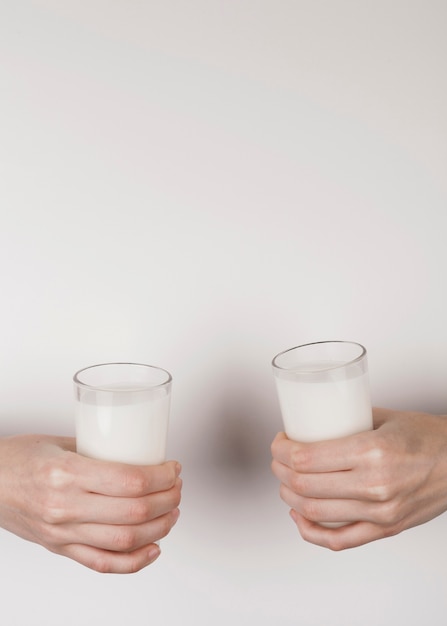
(381, 482)
(107, 516)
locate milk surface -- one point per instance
(129, 432)
(314, 410)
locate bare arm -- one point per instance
(106, 516)
(381, 482)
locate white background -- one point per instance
(200, 185)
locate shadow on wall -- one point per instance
(243, 433)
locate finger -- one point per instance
(345, 484)
(107, 562)
(96, 508)
(321, 456)
(117, 538)
(326, 510)
(119, 479)
(342, 538)
(86, 507)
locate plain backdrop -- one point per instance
(200, 185)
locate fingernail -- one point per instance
(292, 515)
(178, 469)
(153, 552)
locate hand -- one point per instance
(106, 516)
(380, 482)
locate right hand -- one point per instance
(104, 515)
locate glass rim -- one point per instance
(143, 387)
(324, 369)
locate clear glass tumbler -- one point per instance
(323, 390)
(122, 412)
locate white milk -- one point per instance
(314, 410)
(129, 432)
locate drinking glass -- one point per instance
(323, 390)
(122, 412)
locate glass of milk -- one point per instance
(323, 390)
(122, 412)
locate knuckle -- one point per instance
(277, 469)
(380, 492)
(311, 509)
(57, 475)
(388, 514)
(301, 458)
(53, 515)
(54, 480)
(336, 543)
(175, 476)
(298, 483)
(53, 510)
(381, 485)
(124, 539)
(379, 450)
(140, 511)
(177, 499)
(168, 471)
(333, 541)
(166, 523)
(100, 564)
(103, 564)
(284, 494)
(135, 565)
(176, 496)
(135, 481)
(274, 448)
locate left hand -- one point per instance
(379, 482)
